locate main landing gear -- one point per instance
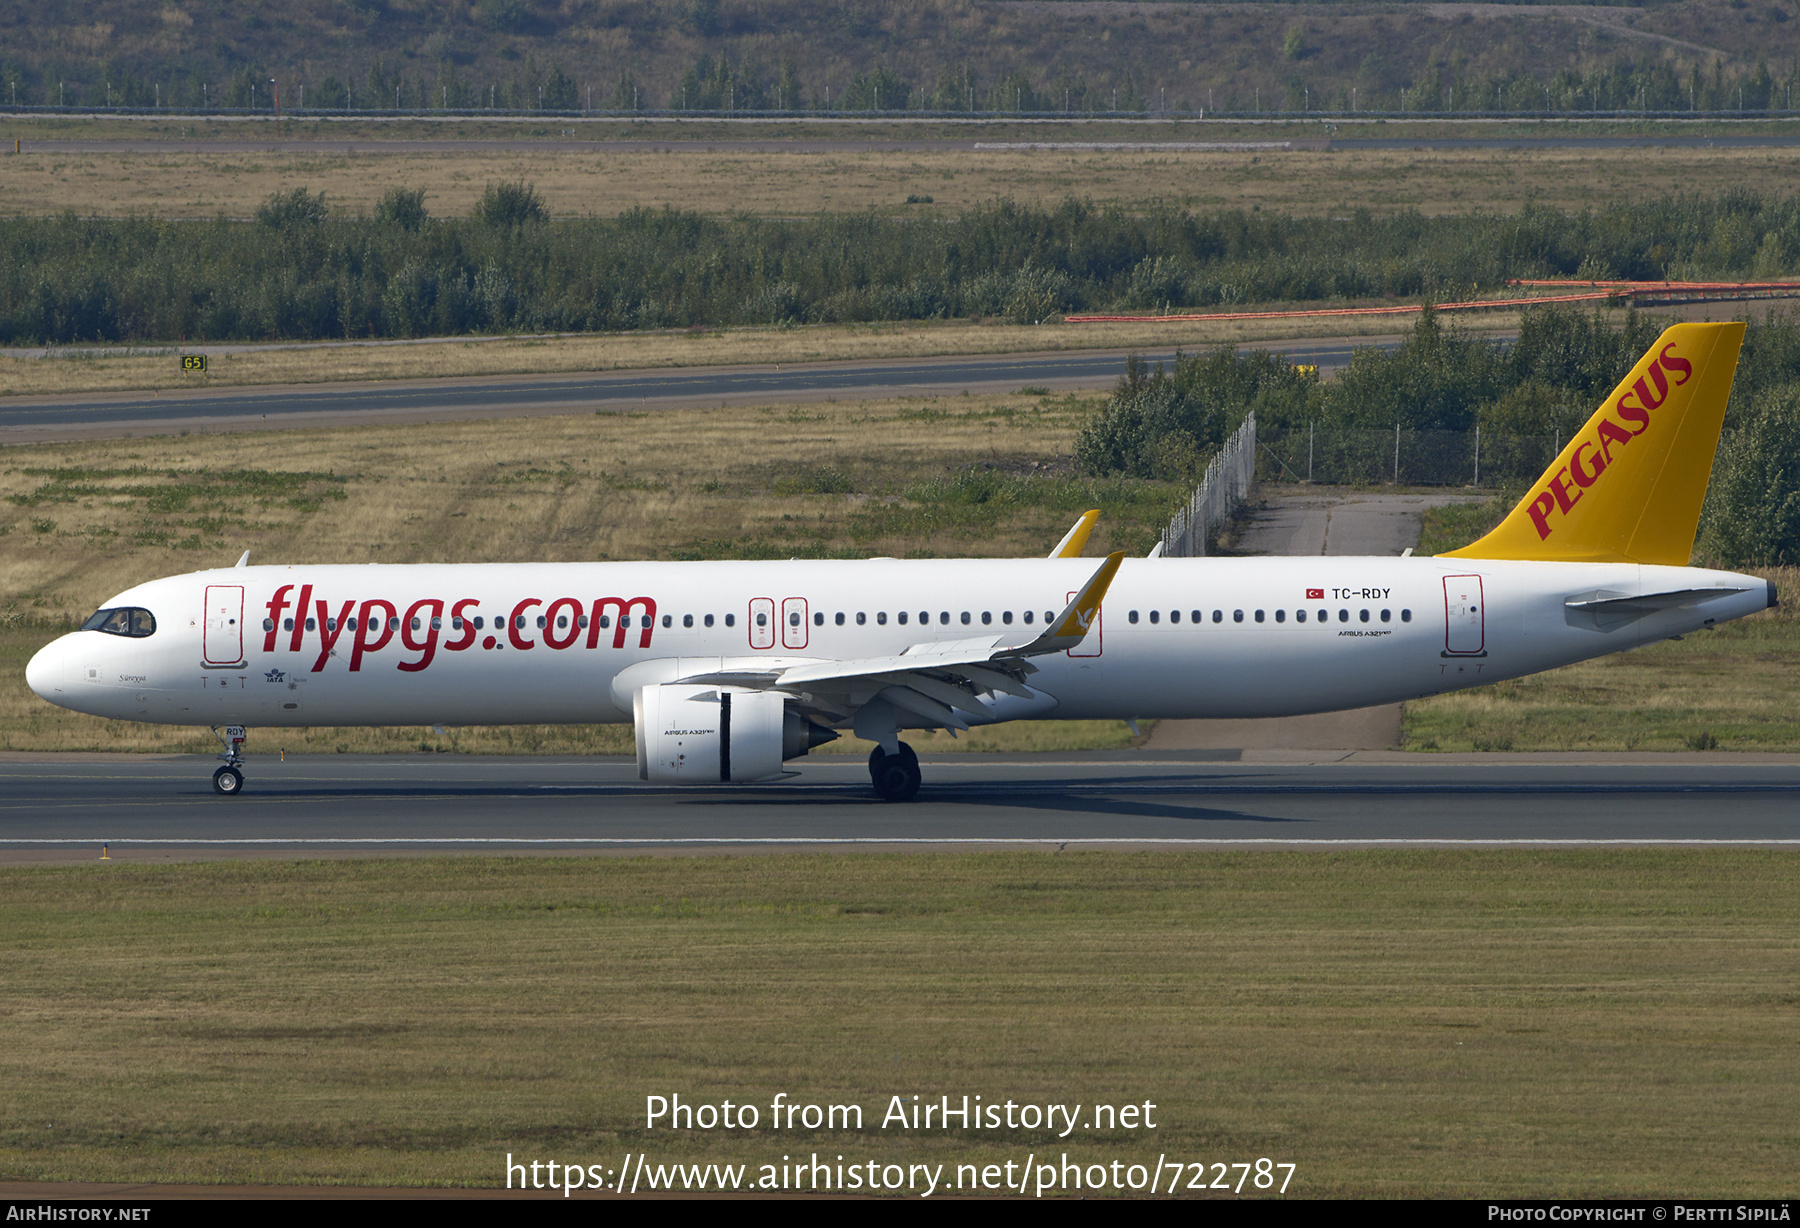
(228, 781)
(895, 777)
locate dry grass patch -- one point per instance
(1475, 1023)
(720, 179)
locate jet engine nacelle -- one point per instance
(690, 734)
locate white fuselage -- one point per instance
(1379, 630)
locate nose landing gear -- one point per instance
(895, 777)
(228, 781)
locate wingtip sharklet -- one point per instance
(1075, 540)
(1071, 626)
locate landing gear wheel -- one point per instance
(896, 777)
(228, 781)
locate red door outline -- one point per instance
(793, 635)
(222, 628)
(1465, 617)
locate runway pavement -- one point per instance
(62, 808)
(31, 420)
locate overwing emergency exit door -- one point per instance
(222, 638)
(1465, 615)
(794, 631)
(762, 622)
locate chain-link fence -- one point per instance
(1334, 457)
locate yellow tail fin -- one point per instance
(1629, 486)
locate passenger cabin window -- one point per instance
(707, 620)
(839, 619)
(731, 620)
(1194, 616)
(1259, 616)
(1007, 618)
(127, 621)
(1027, 617)
(1387, 616)
(1405, 616)
(1365, 616)
(1218, 616)
(1237, 616)
(1343, 616)
(1299, 616)
(1280, 616)
(1131, 617)
(902, 617)
(687, 620)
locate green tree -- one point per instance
(1753, 505)
(402, 207)
(289, 210)
(559, 91)
(508, 206)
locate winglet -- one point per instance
(1070, 627)
(1629, 485)
(1075, 540)
(244, 559)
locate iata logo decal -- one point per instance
(274, 675)
(1592, 454)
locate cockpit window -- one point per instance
(132, 622)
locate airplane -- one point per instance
(730, 670)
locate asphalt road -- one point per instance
(60, 808)
(35, 420)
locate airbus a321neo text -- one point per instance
(731, 669)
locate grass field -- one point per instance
(715, 178)
(1474, 1023)
(944, 477)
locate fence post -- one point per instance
(1396, 451)
(1310, 428)
(1478, 456)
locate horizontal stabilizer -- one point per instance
(1609, 610)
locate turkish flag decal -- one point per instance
(1315, 594)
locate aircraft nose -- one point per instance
(44, 672)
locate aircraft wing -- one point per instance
(938, 679)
